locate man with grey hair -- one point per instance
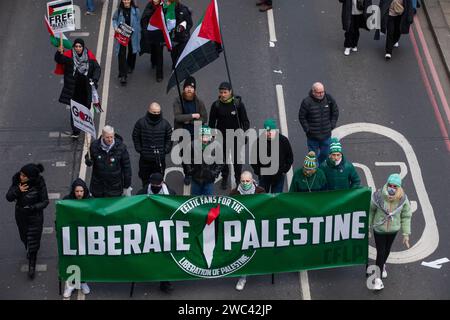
(318, 116)
(152, 138)
(111, 168)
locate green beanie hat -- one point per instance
(335, 146)
(205, 130)
(310, 161)
(395, 179)
(270, 124)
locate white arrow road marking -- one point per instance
(436, 264)
(429, 239)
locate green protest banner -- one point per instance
(151, 238)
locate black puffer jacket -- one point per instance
(285, 160)
(31, 202)
(318, 117)
(346, 14)
(68, 90)
(407, 16)
(202, 173)
(78, 182)
(182, 13)
(224, 116)
(111, 172)
(149, 37)
(152, 135)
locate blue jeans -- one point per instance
(321, 148)
(90, 5)
(205, 189)
(272, 184)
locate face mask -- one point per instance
(336, 163)
(391, 191)
(154, 117)
(246, 186)
(204, 145)
(156, 189)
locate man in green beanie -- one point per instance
(205, 173)
(310, 178)
(340, 173)
(273, 183)
(390, 212)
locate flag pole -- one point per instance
(178, 87)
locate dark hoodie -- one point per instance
(318, 117)
(111, 172)
(78, 183)
(150, 135)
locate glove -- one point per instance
(88, 160)
(182, 26)
(406, 240)
(127, 192)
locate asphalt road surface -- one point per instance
(390, 98)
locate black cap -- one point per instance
(156, 178)
(225, 86)
(190, 81)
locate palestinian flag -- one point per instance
(171, 20)
(157, 22)
(55, 38)
(203, 47)
(59, 7)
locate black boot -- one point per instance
(32, 266)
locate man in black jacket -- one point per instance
(180, 34)
(152, 138)
(318, 116)
(228, 113)
(273, 183)
(111, 168)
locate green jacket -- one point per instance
(389, 217)
(343, 176)
(301, 183)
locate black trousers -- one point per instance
(393, 32)
(30, 230)
(176, 52)
(146, 168)
(126, 61)
(156, 58)
(383, 243)
(352, 35)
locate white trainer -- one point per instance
(241, 283)
(355, 49)
(384, 274)
(347, 51)
(388, 56)
(378, 285)
(85, 288)
(396, 45)
(68, 291)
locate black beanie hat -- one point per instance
(190, 81)
(32, 170)
(80, 41)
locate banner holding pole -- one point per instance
(154, 238)
(61, 16)
(82, 118)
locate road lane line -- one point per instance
(434, 74)
(303, 275)
(271, 21)
(54, 196)
(98, 55)
(38, 268)
(431, 96)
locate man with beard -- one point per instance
(188, 111)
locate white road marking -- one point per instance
(60, 164)
(54, 196)
(429, 239)
(271, 21)
(98, 55)
(368, 174)
(402, 165)
(54, 134)
(436, 264)
(303, 275)
(278, 71)
(39, 268)
(81, 295)
(79, 34)
(47, 230)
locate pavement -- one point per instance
(438, 14)
(397, 96)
